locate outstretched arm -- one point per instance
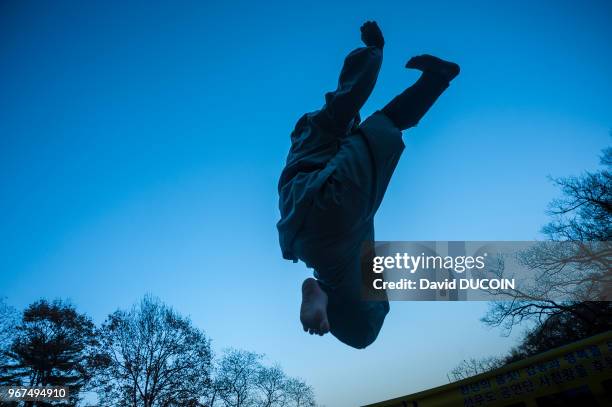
(357, 78)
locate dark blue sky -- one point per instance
(140, 146)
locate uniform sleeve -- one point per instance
(356, 82)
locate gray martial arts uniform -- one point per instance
(335, 178)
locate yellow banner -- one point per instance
(578, 374)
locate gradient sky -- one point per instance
(140, 146)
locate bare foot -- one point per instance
(313, 312)
(429, 63)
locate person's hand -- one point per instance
(371, 35)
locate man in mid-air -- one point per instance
(336, 175)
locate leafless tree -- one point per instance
(299, 394)
(472, 367)
(271, 383)
(579, 270)
(237, 377)
(150, 356)
(9, 318)
(242, 380)
(584, 213)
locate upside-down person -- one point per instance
(335, 178)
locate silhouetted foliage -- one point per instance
(584, 213)
(272, 385)
(236, 377)
(299, 393)
(242, 380)
(586, 319)
(582, 216)
(51, 347)
(9, 318)
(151, 356)
(471, 367)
